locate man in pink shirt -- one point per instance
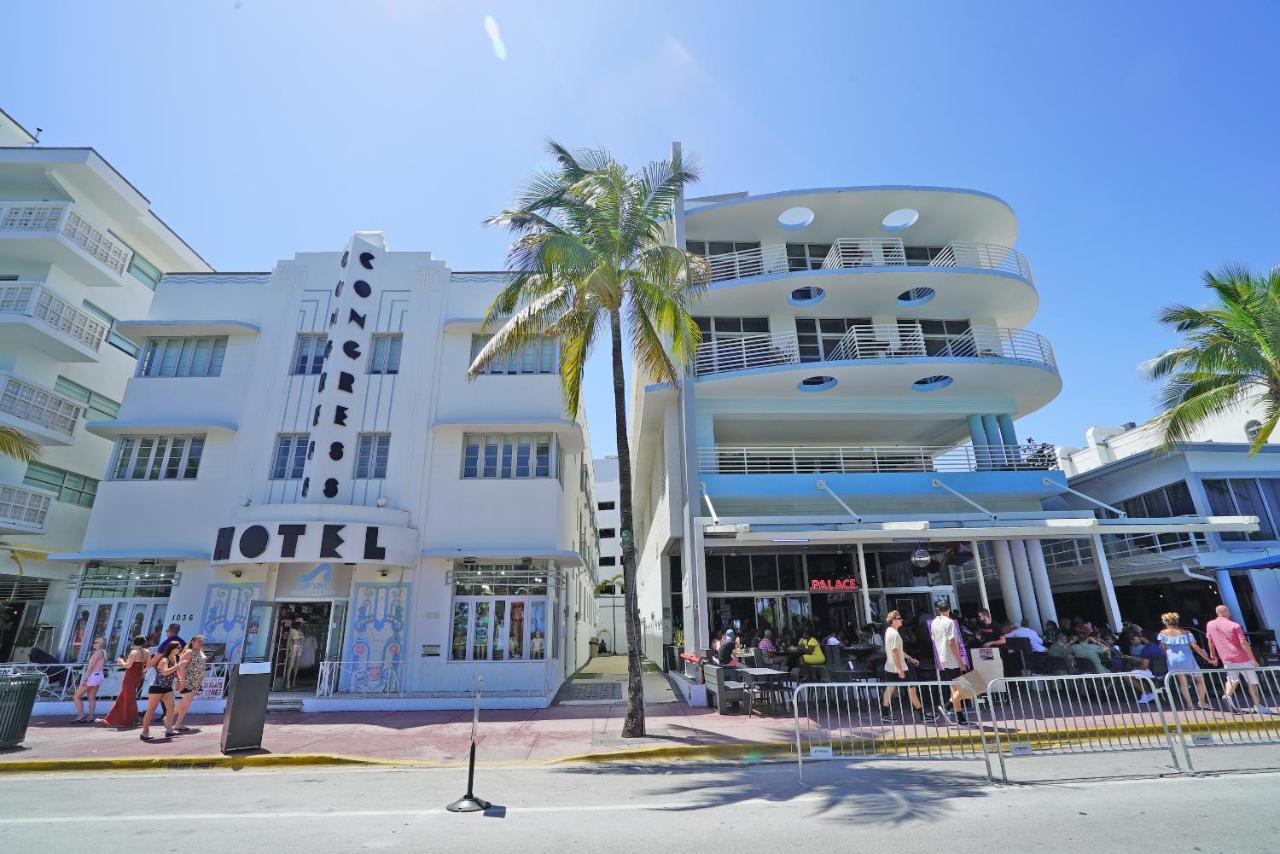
(1227, 642)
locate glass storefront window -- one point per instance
(500, 612)
(118, 602)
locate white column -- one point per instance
(1040, 578)
(1008, 587)
(1105, 587)
(1026, 590)
(862, 579)
(982, 581)
(700, 637)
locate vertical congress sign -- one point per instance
(334, 421)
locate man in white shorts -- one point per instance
(1227, 642)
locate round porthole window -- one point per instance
(794, 219)
(915, 297)
(933, 383)
(900, 220)
(806, 296)
(818, 383)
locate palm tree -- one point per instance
(17, 445)
(588, 257)
(1230, 356)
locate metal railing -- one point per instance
(1204, 717)
(875, 341)
(67, 222)
(38, 405)
(58, 682)
(360, 678)
(37, 301)
(1133, 552)
(23, 509)
(861, 252)
(836, 720)
(878, 459)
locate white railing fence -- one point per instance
(858, 252)
(766, 459)
(39, 406)
(34, 300)
(1204, 719)
(58, 682)
(23, 509)
(876, 341)
(63, 219)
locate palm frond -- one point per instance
(18, 445)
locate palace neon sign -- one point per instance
(838, 585)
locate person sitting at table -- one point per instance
(811, 652)
(833, 639)
(1089, 651)
(727, 654)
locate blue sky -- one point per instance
(1137, 142)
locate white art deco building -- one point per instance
(79, 248)
(847, 442)
(302, 474)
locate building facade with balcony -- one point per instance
(845, 443)
(1213, 474)
(79, 248)
(302, 474)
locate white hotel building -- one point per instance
(79, 247)
(846, 444)
(302, 473)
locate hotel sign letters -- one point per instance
(311, 542)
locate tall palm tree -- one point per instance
(589, 257)
(1230, 355)
(17, 445)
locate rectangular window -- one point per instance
(290, 456)
(608, 561)
(608, 533)
(507, 455)
(1242, 497)
(806, 256)
(819, 339)
(606, 505)
(144, 271)
(183, 357)
(499, 613)
(98, 407)
(157, 457)
(371, 455)
(538, 356)
(70, 487)
(115, 339)
(308, 353)
(386, 354)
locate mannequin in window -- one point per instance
(293, 653)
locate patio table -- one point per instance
(769, 678)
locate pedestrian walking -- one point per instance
(191, 669)
(91, 681)
(899, 665)
(1227, 642)
(946, 647)
(160, 694)
(171, 636)
(1178, 645)
(124, 711)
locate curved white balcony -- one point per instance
(22, 510)
(850, 253)
(32, 314)
(41, 413)
(58, 233)
(876, 342)
(872, 459)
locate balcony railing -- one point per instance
(875, 341)
(37, 301)
(23, 509)
(872, 459)
(28, 402)
(859, 252)
(64, 220)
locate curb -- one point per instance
(156, 763)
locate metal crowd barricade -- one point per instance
(836, 720)
(1091, 713)
(1237, 723)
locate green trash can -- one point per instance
(17, 699)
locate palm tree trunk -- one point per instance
(633, 725)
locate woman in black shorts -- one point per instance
(161, 690)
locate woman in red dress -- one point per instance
(124, 712)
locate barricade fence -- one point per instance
(1088, 713)
(58, 682)
(1206, 715)
(901, 719)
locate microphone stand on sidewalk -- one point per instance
(469, 802)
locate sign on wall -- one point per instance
(316, 542)
(834, 585)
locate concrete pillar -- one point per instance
(992, 428)
(862, 579)
(1227, 593)
(1026, 589)
(1040, 579)
(697, 631)
(1007, 433)
(1266, 597)
(1008, 587)
(982, 581)
(1105, 587)
(978, 435)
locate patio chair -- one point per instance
(724, 690)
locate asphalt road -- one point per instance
(879, 806)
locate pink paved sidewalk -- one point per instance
(539, 735)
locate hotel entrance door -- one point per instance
(295, 637)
